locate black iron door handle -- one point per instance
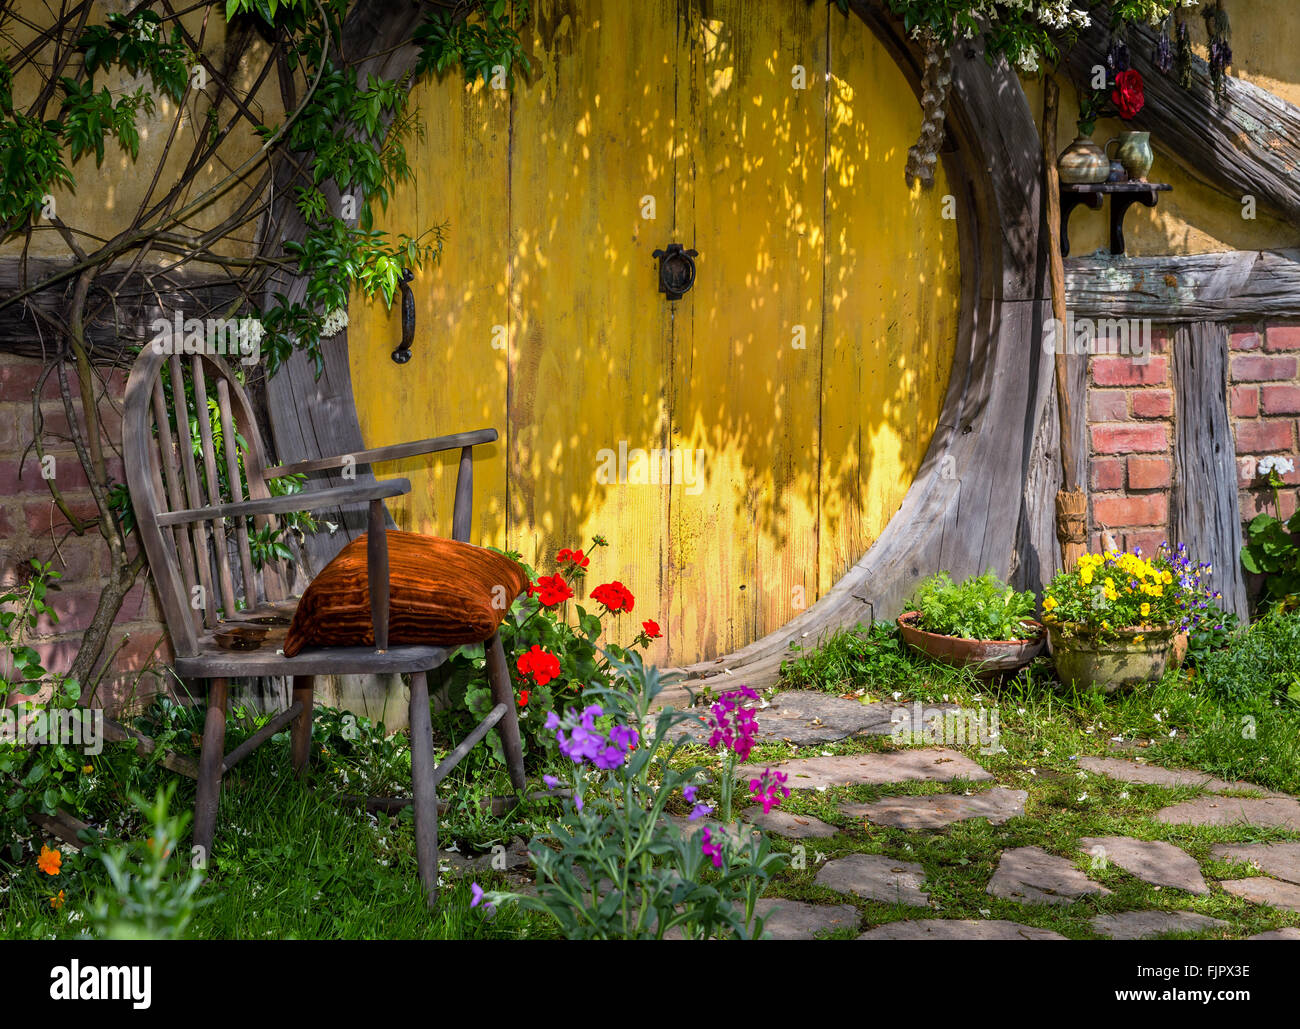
(403, 352)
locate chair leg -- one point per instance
(426, 793)
(210, 759)
(508, 727)
(304, 687)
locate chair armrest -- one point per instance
(312, 500)
(394, 452)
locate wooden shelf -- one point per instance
(1123, 196)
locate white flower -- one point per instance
(334, 323)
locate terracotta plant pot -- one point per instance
(990, 657)
(1119, 662)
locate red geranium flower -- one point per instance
(651, 628)
(614, 595)
(539, 665)
(523, 698)
(1128, 97)
(551, 589)
(572, 557)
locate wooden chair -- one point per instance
(191, 522)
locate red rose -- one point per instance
(551, 589)
(651, 628)
(615, 596)
(539, 665)
(1128, 97)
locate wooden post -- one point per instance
(377, 572)
(1071, 499)
(424, 788)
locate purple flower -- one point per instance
(551, 781)
(711, 850)
(476, 897)
(689, 793)
(699, 811)
(734, 727)
(766, 787)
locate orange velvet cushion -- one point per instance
(441, 592)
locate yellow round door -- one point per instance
(739, 447)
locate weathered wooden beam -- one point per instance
(1238, 285)
(172, 761)
(1248, 144)
(1204, 510)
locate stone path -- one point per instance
(958, 929)
(783, 823)
(1142, 925)
(1277, 812)
(934, 811)
(1262, 890)
(795, 920)
(1281, 860)
(1025, 875)
(805, 718)
(913, 765)
(1154, 775)
(1154, 862)
(876, 877)
(1030, 875)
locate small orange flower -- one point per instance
(57, 902)
(49, 861)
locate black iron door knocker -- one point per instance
(676, 270)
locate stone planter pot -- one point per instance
(988, 657)
(1118, 662)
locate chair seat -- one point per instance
(214, 661)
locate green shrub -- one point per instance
(982, 607)
(1262, 662)
(862, 657)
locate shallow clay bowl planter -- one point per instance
(988, 657)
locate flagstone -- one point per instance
(1142, 925)
(912, 765)
(1155, 775)
(796, 920)
(1285, 933)
(1279, 812)
(1262, 890)
(1152, 861)
(784, 823)
(1281, 860)
(876, 877)
(937, 810)
(1030, 875)
(807, 717)
(958, 929)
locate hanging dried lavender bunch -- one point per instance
(1183, 58)
(1216, 27)
(1117, 57)
(1163, 54)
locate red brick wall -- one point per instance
(31, 526)
(1131, 432)
(1265, 400)
(1131, 412)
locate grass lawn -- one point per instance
(291, 861)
